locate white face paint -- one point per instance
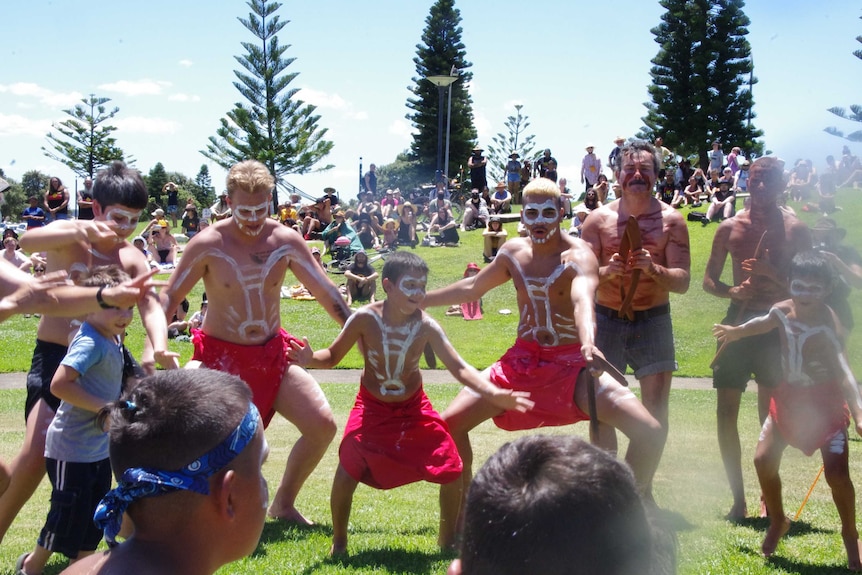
(545, 213)
(245, 215)
(413, 286)
(802, 288)
(123, 219)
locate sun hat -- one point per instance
(159, 213)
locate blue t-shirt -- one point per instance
(34, 211)
(73, 434)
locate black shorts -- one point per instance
(77, 490)
(757, 356)
(46, 359)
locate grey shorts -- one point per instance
(757, 357)
(645, 344)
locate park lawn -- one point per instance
(482, 342)
(395, 531)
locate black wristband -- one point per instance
(102, 303)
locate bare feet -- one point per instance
(738, 512)
(338, 549)
(853, 545)
(290, 515)
(777, 529)
(448, 544)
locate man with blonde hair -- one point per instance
(242, 262)
(555, 277)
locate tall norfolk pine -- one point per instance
(855, 114)
(85, 143)
(441, 50)
(272, 126)
(702, 78)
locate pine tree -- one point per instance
(440, 52)
(84, 143)
(272, 127)
(855, 114)
(515, 140)
(156, 180)
(203, 189)
(701, 79)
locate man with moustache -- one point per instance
(644, 338)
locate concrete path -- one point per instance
(351, 376)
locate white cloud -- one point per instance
(14, 125)
(185, 63)
(141, 125)
(401, 128)
(43, 95)
(180, 97)
(330, 102)
(136, 88)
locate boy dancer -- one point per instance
(119, 198)
(809, 409)
(394, 436)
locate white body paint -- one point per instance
(537, 317)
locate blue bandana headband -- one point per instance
(138, 483)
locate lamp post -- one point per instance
(442, 82)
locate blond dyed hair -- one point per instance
(249, 176)
(543, 187)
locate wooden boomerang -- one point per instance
(631, 242)
(758, 253)
(600, 362)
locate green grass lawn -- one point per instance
(395, 531)
(482, 342)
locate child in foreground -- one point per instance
(187, 448)
(809, 410)
(76, 449)
(393, 436)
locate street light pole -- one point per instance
(453, 73)
(441, 82)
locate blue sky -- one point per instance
(579, 69)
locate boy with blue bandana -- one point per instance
(187, 449)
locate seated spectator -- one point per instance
(159, 219)
(178, 325)
(407, 225)
(191, 222)
(340, 227)
(12, 253)
(390, 233)
(666, 190)
(566, 197)
(475, 212)
(164, 245)
(389, 204)
(801, 181)
(141, 243)
(602, 188)
(315, 253)
(501, 199)
(722, 203)
(221, 209)
(197, 319)
(590, 203)
(692, 193)
(366, 233)
(444, 228)
(361, 280)
(188, 518)
(493, 236)
(556, 505)
(369, 207)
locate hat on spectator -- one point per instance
(500, 186)
(830, 226)
(619, 139)
(338, 214)
(514, 155)
(390, 224)
(159, 213)
(141, 238)
(328, 190)
(402, 207)
(472, 266)
(315, 250)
